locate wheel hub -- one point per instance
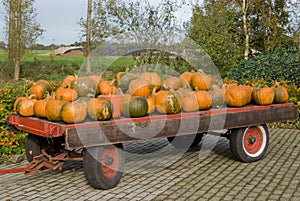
(251, 140)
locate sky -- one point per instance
(60, 20)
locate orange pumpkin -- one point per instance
(40, 89)
(53, 109)
(167, 102)
(66, 94)
(73, 112)
(100, 109)
(40, 108)
(17, 100)
(237, 96)
(201, 81)
(153, 79)
(281, 94)
(106, 87)
(172, 82)
(151, 104)
(263, 96)
(24, 107)
(139, 87)
(185, 78)
(204, 99)
(190, 102)
(67, 81)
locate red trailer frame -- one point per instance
(246, 130)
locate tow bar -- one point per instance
(43, 161)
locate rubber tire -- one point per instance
(237, 147)
(185, 141)
(33, 146)
(93, 171)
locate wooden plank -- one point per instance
(148, 128)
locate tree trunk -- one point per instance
(88, 36)
(245, 27)
(18, 41)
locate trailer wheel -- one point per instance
(34, 145)
(249, 144)
(104, 165)
(185, 141)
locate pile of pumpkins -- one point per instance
(142, 94)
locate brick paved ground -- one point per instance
(151, 176)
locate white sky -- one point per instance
(60, 20)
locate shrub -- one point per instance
(270, 66)
(11, 142)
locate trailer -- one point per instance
(49, 144)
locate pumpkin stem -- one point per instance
(32, 96)
(112, 82)
(67, 86)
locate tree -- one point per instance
(214, 27)
(21, 29)
(269, 20)
(243, 5)
(113, 17)
(88, 36)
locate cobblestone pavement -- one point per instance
(198, 174)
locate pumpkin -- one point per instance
(83, 100)
(190, 102)
(53, 109)
(172, 82)
(264, 95)
(185, 78)
(139, 87)
(106, 87)
(66, 94)
(153, 79)
(201, 81)
(67, 81)
(100, 109)
(237, 96)
(217, 96)
(116, 100)
(73, 112)
(134, 106)
(96, 78)
(124, 79)
(40, 108)
(204, 99)
(17, 100)
(183, 92)
(40, 89)
(281, 94)
(151, 104)
(167, 102)
(24, 107)
(85, 86)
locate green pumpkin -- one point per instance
(134, 106)
(100, 109)
(218, 98)
(85, 87)
(125, 81)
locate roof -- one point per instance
(64, 50)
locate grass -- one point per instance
(37, 65)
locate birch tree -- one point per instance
(22, 30)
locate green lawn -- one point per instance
(37, 65)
